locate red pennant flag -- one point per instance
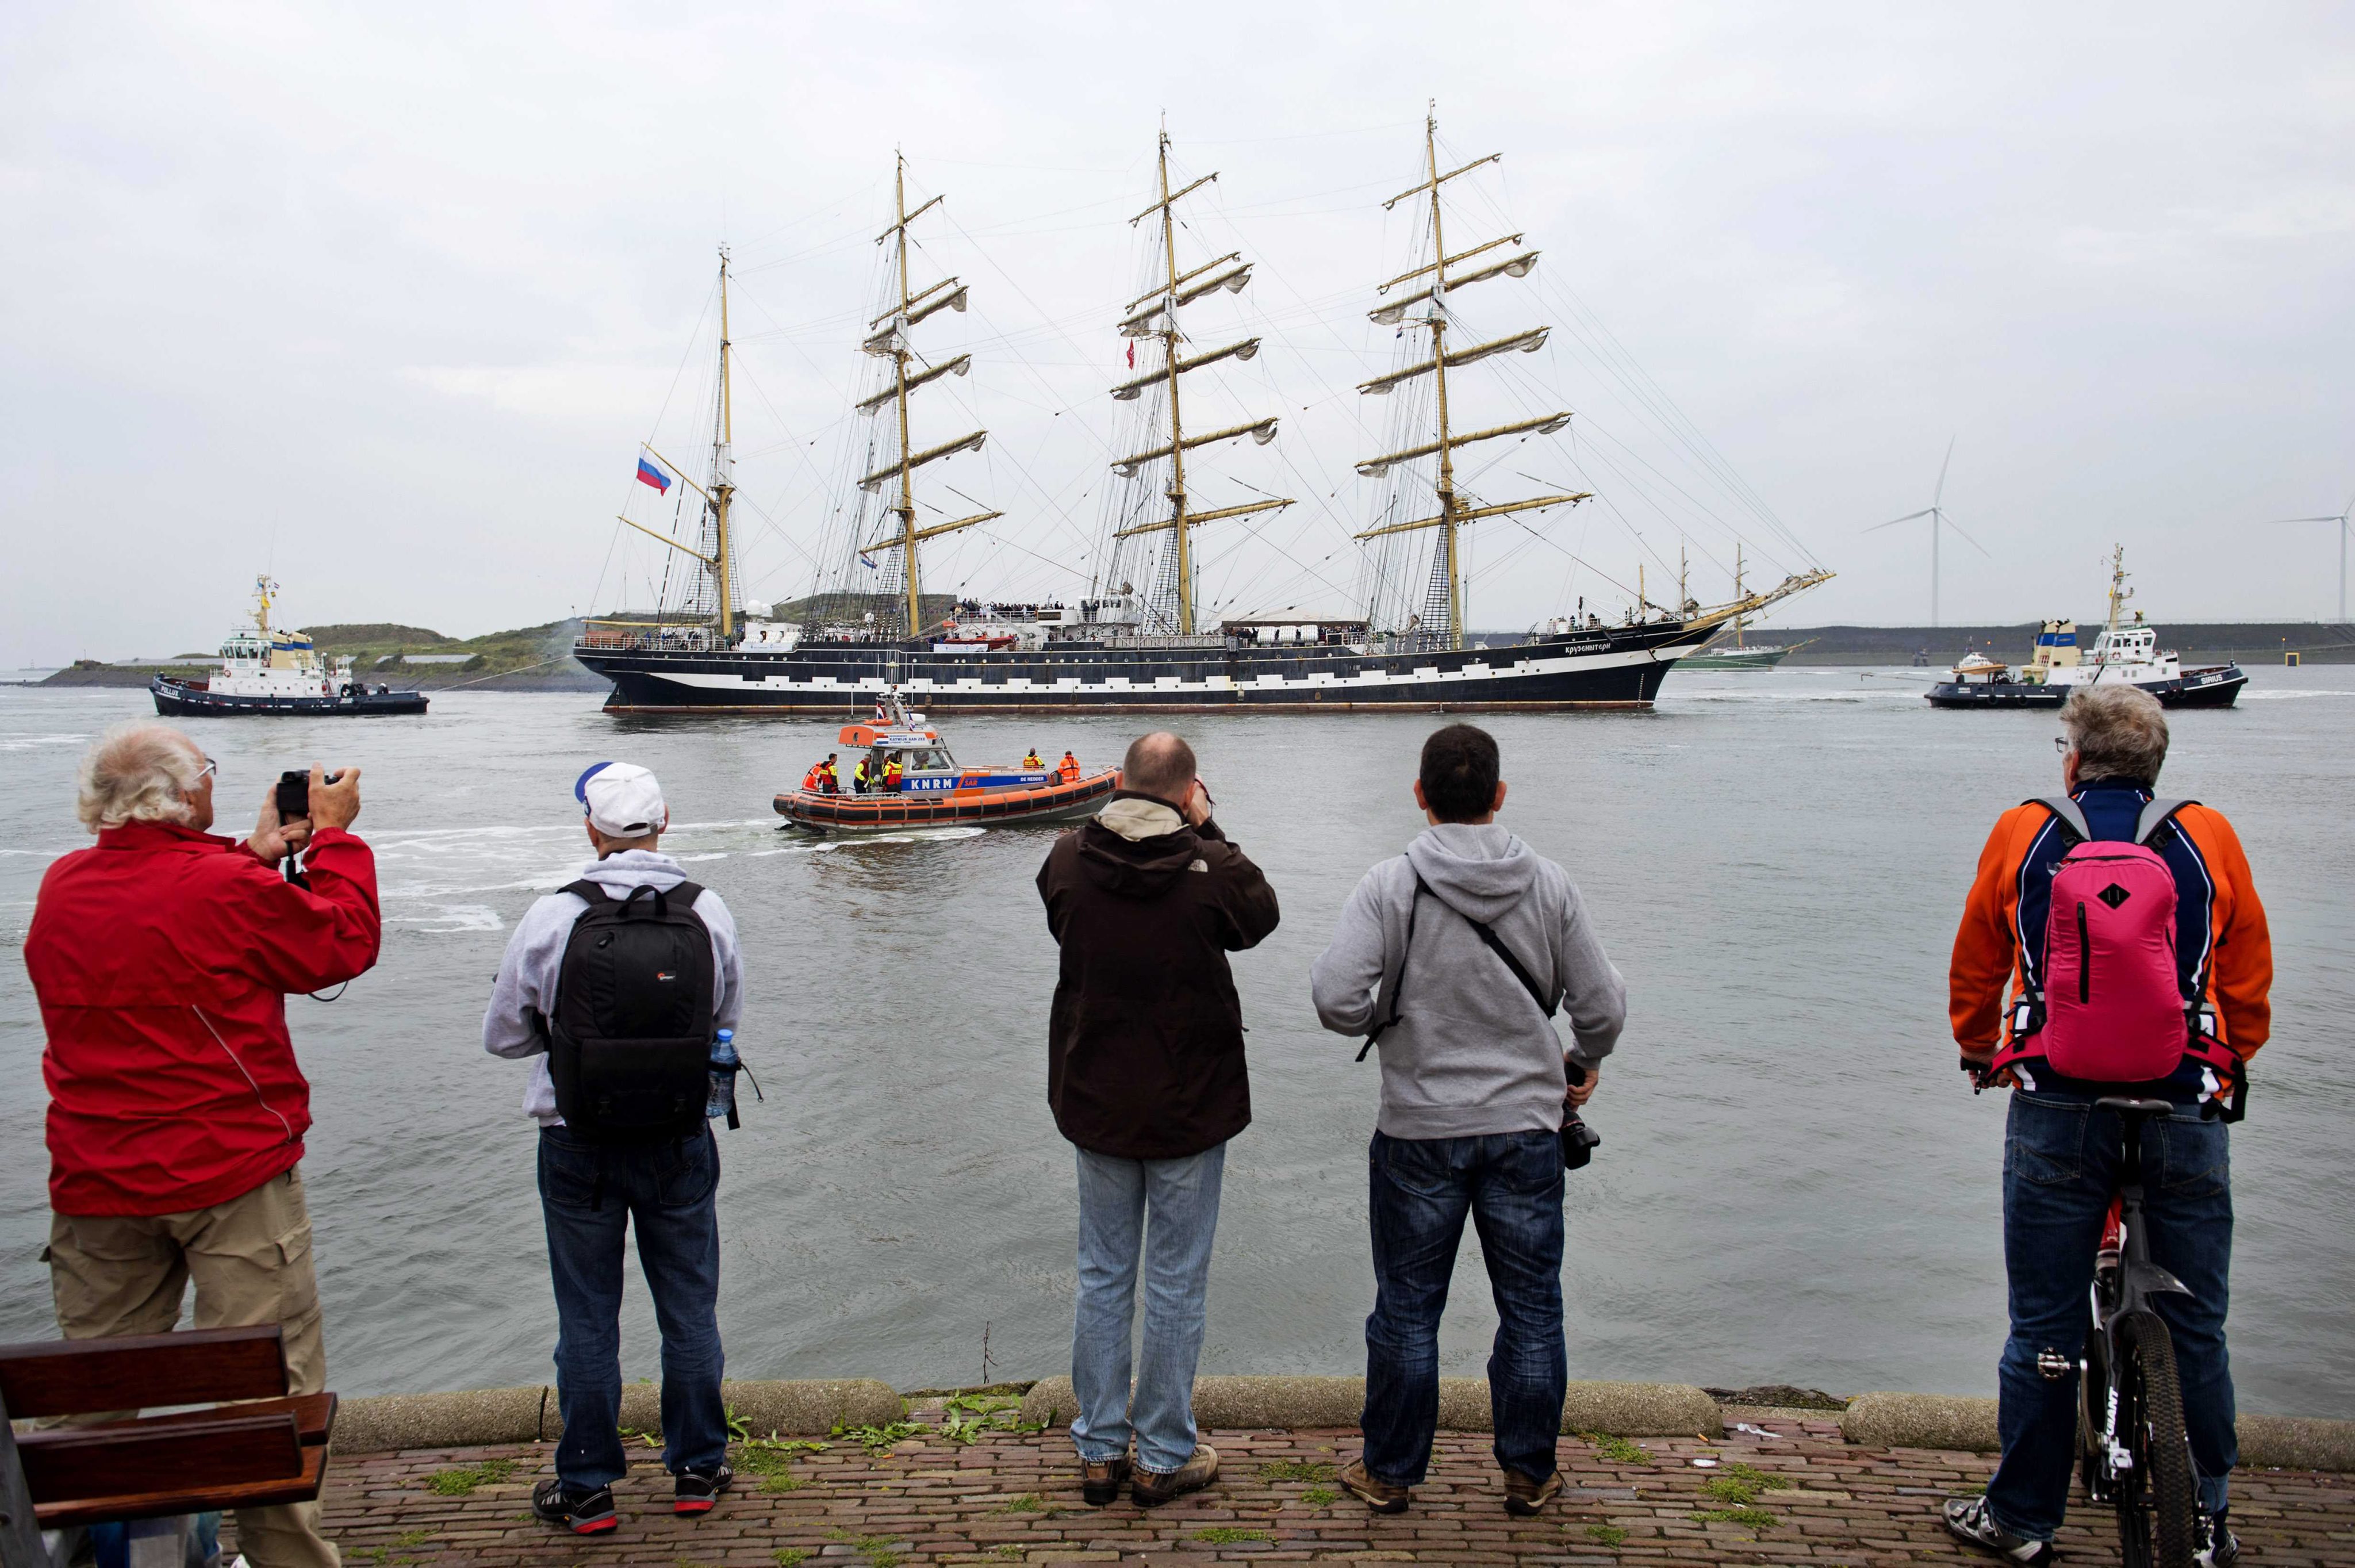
(1132, 353)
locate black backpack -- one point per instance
(629, 1046)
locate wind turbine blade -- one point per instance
(1940, 494)
(1974, 544)
(1906, 519)
(2275, 522)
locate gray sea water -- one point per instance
(1795, 1184)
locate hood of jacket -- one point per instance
(1477, 869)
(618, 872)
(1136, 846)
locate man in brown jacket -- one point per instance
(1145, 1073)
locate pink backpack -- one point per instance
(2113, 1006)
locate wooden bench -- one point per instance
(263, 1448)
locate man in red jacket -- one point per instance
(162, 958)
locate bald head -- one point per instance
(1159, 765)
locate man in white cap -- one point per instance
(616, 986)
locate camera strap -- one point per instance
(1549, 1005)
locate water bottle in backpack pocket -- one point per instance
(2113, 1005)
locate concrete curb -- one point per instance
(1621, 1410)
(1957, 1424)
(528, 1414)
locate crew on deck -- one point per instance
(892, 772)
(860, 778)
(1030, 759)
(1068, 770)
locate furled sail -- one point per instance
(1545, 424)
(1395, 312)
(1262, 431)
(946, 449)
(1528, 342)
(1127, 390)
(959, 366)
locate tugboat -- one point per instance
(934, 790)
(267, 670)
(2125, 653)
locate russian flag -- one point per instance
(650, 475)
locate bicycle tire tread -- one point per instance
(2173, 1489)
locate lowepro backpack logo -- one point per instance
(2114, 895)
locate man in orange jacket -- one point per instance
(2062, 1156)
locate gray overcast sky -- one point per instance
(386, 297)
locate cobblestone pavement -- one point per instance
(1007, 1497)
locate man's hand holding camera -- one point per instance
(333, 801)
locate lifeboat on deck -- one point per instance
(935, 790)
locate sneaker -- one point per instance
(1971, 1520)
(1101, 1480)
(1378, 1495)
(695, 1490)
(586, 1512)
(1526, 1495)
(1153, 1487)
(2218, 1546)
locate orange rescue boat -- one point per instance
(934, 790)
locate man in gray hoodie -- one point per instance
(1475, 1081)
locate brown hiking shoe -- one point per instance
(1151, 1488)
(1100, 1480)
(1524, 1495)
(1378, 1495)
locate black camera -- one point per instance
(294, 794)
(1578, 1141)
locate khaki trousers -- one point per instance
(251, 1259)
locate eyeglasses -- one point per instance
(210, 767)
(2060, 744)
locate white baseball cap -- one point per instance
(621, 800)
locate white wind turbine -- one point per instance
(2340, 518)
(1936, 513)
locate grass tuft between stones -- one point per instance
(1618, 1450)
(1608, 1534)
(1228, 1535)
(1317, 1497)
(1749, 1518)
(1295, 1470)
(460, 1481)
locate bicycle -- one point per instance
(2133, 1450)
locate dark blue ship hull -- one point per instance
(1618, 667)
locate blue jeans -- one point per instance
(589, 1193)
(1116, 1196)
(1511, 1183)
(2060, 1163)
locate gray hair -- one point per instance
(138, 773)
(2118, 731)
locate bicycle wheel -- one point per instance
(2158, 1515)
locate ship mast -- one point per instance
(1159, 321)
(893, 343)
(723, 475)
(1453, 514)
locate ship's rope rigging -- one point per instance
(1296, 326)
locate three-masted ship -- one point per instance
(1126, 648)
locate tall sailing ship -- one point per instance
(1126, 648)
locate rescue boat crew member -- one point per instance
(1070, 769)
(891, 776)
(860, 778)
(829, 781)
(814, 782)
(1032, 758)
